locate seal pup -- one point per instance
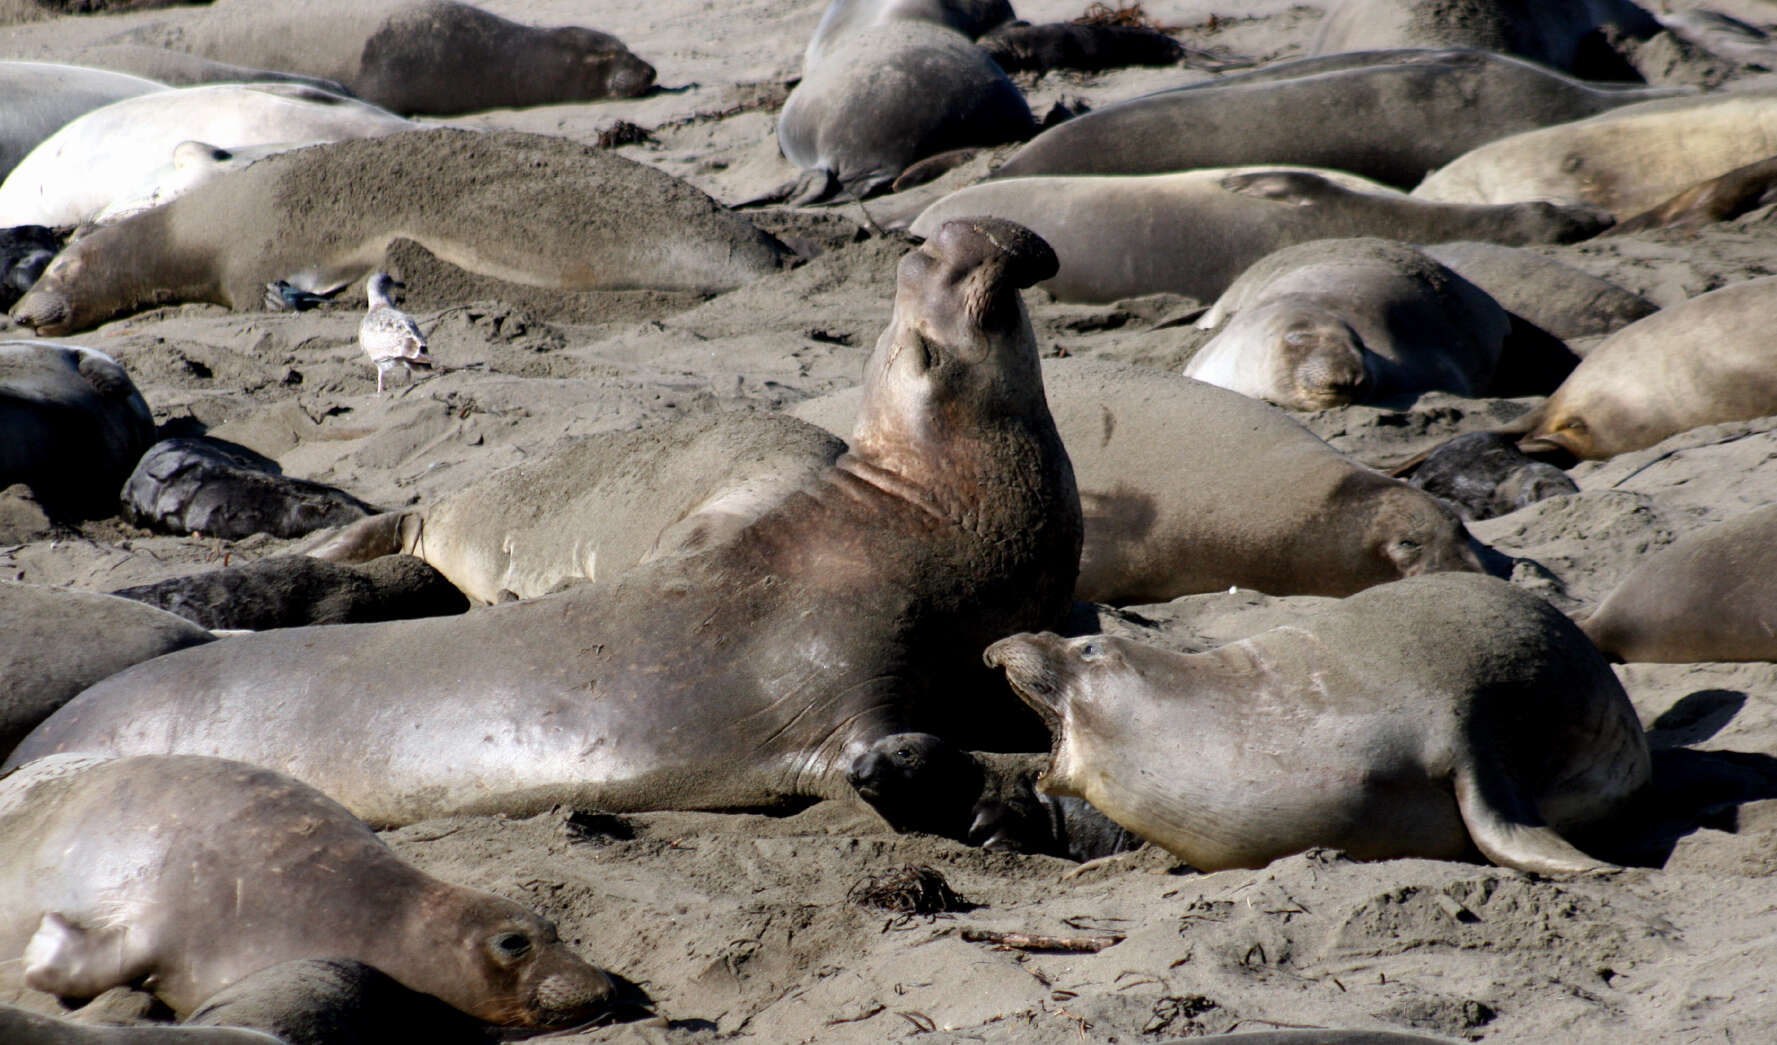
(1117, 237)
(1570, 35)
(388, 335)
(72, 425)
(1356, 320)
(25, 251)
(486, 202)
(39, 98)
(110, 152)
(19, 1027)
(1706, 596)
(182, 872)
(290, 591)
(219, 489)
(746, 675)
(1428, 717)
(1625, 161)
(1695, 363)
(1421, 108)
(1484, 474)
(334, 1001)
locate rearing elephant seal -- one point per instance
(1421, 718)
(189, 873)
(744, 675)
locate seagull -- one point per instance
(390, 336)
(280, 296)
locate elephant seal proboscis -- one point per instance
(55, 643)
(1710, 595)
(105, 154)
(1334, 322)
(747, 675)
(290, 591)
(72, 425)
(1626, 161)
(1484, 474)
(597, 507)
(1427, 717)
(893, 94)
(199, 485)
(39, 98)
(22, 1027)
(1192, 233)
(527, 208)
(1422, 109)
(1551, 295)
(334, 1001)
(187, 873)
(1191, 488)
(844, 18)
(430, 57)
(1695, 363)
(1563, 34)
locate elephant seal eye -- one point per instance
(1091, 651)
(512, 945)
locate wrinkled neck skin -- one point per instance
(109, 273)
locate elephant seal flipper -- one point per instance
(1505, 827)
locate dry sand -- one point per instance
(738, 926)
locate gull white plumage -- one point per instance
(388, 335)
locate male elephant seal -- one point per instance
(601, 505)
(187, 873)
(39, 98)
(891, 95)
(72, 425)
(1626, 161)
(1695, 363)
(526, 208)
(431, 57)
(55, 643)
(93, 160)
(1421, 109)
(844, 18)
(1562, 34)
(1334, 322)
(1194, 232)
(1710, 595)
(1191, 488)
(1423, 718)
(745, 675)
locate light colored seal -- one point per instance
(1625, 161)
(185, 874)
(1119, 237)
(1421, 109)
(72, 425)
(1694, 363)
(55, 643)
(38, 98)
(747, 675)
(1428, 718)
(1552, 295)
(594, 509)
(109, 153)
(1356, 320)
(526, 208)
(892, 94)
(1562, 34)
(1190, 488)
(192, 163)
(1707, 596)
(178, 69)
(844, 18)
(431, 57)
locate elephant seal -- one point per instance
(1118, 237)
(19, 1027)
(55, 643)
(39, 98)
(430, 57)
(290, 591)
(1551, 295)
(93, 160)
(1571, 35)
(1421, 108)
(526, 208)
(182, 872)
(844, 18)
(25, 251)
(750, 674)
(1706, 596)
(1427, 718)
(1718, 199)
(1695, 363)
(72, 425)
(335, 1001)
(893, 94)
(1484, 474)
(192, 163)
(1334, 322)
(1316, 1036)
(1625, 161)
(198, 485)
(1191, 488)
(1019, 47)
(178, 69)
(601, 505)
